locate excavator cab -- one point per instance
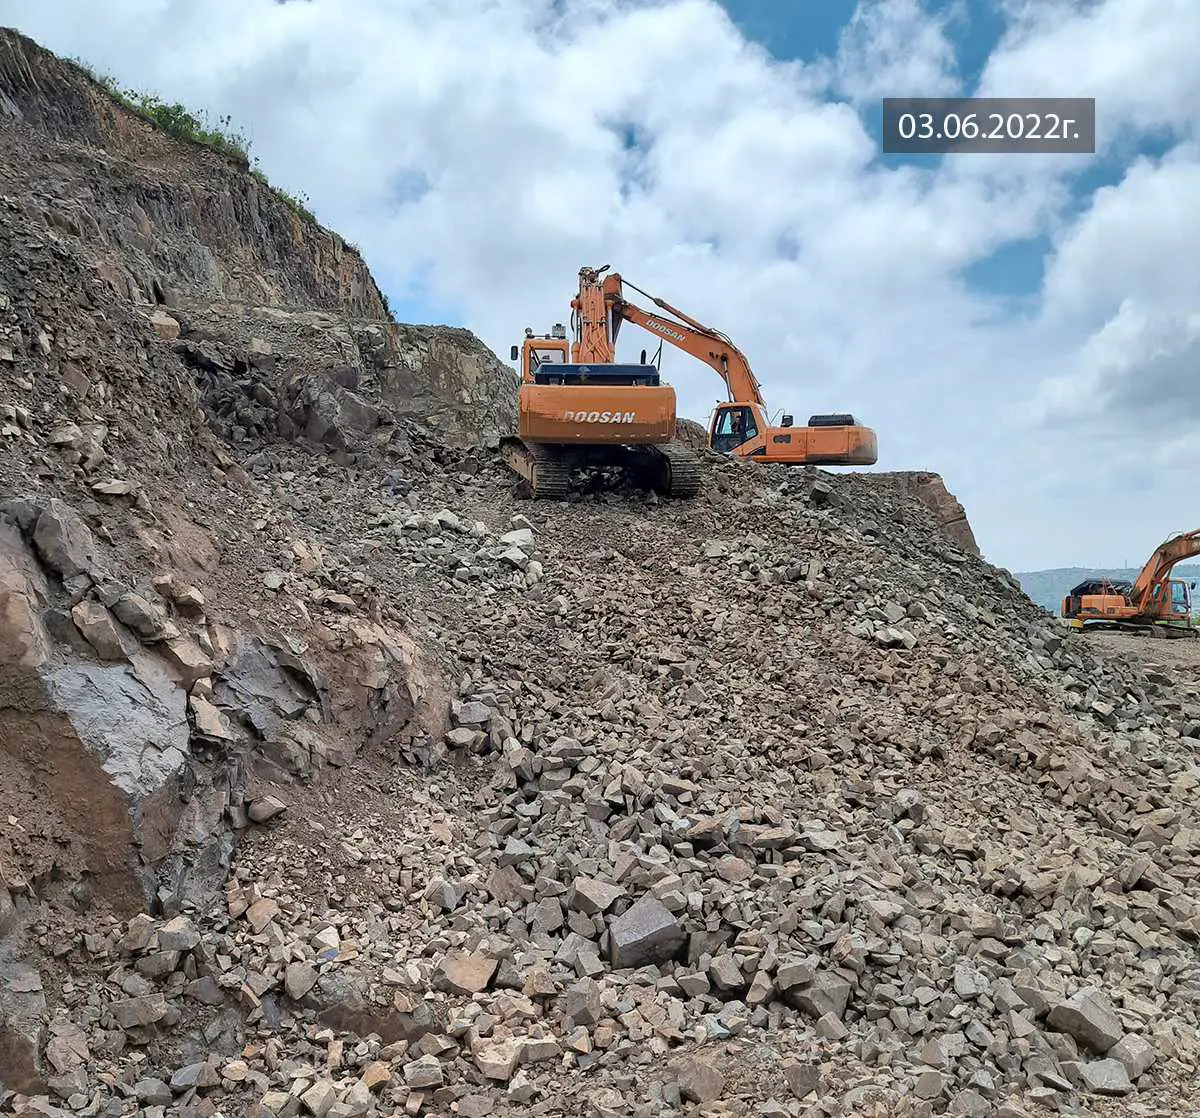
(732, 425)
(1181, 601)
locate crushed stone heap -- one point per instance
(337, 779)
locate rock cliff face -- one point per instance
(165, 222)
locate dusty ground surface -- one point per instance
(1182, 655)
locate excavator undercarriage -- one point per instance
(669, 469)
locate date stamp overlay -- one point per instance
(954, 125)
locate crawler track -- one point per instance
(671, 469)
(544, 468)
(680, 471)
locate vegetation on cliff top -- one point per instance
(178, 121)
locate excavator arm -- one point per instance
(1147, 587)
(700, 341)
(741, 426)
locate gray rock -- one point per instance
(827, 993)
(22, 1006)
(98, 629)
(179, 934)
(134, 723)
(646, 932)
(153, 1092)
(1089, 1017)
(1135, 1053)
(299, 979)
(195, 1075)
(63, 541)
(1105, 1077)
(424, 1073)
(581, 1004)
(699, 1081)
(594, 897)
(802, 1078)
(266, 808)
(142, 616)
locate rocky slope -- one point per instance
(337, 779)
(176, 225)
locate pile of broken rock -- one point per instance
(616, 898)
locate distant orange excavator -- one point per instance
(1153, 603)
(578, 407)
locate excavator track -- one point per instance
(679, 471)
(544, 470)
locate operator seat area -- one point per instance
(733, 426)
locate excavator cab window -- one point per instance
(540, 357)
(733, 426)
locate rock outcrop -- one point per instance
(186, 229)
(930, 489)
(144, 726)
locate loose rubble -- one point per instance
(378, 789)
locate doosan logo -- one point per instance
(601, 416)
(663, 328)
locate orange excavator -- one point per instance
(740, 426)
(578, 408)
(1153, 603)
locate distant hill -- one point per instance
(1048, 587)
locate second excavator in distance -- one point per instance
(1153, 604)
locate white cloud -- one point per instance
(1136, 57)
(896, 48)
(480, 145)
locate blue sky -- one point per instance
(808, 31)
(1026, 326)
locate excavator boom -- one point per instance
(1179, 547)
(741, 426)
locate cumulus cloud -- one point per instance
(481, 151)
(897, 48)
(1136, 59)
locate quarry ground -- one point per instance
(1181, 654)
(338, 779)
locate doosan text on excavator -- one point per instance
(579, 407)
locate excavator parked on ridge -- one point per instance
(741, 426)
(578, 408)
(1153, 604)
